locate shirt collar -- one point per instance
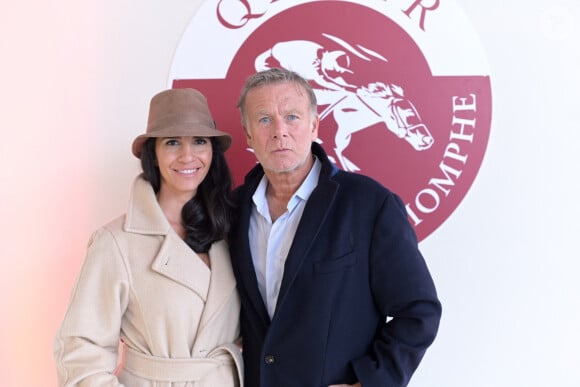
(302, 193)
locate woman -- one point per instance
(158, 279)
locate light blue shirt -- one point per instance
(270, 242)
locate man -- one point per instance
(334, 289)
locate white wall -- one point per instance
(76, 79)
(506, 262)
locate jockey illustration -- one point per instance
(323, 67)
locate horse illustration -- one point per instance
(375, 103)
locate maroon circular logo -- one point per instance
(400, 97)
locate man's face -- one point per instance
(280, 127)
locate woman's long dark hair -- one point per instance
(208, 215)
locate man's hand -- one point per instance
(346, 385)
(238, 342)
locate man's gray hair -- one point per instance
(274, 76)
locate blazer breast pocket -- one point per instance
(332, 265)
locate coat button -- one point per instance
(269, 359)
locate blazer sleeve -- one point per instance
(404, 292)
(86, 345)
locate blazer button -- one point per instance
(269, 359)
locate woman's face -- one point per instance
(183, 163)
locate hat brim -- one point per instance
(181, 131)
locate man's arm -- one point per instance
(405, 294)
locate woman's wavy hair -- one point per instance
(208, 215)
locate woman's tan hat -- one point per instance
(180, 112)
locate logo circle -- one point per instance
(401, 99)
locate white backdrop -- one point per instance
(76, 79)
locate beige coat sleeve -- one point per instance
(86, 345)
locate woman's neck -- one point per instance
(171, 206)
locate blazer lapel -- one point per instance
(247, 279)
(313, 217)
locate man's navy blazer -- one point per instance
(357, 301)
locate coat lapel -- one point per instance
(221, 286)
(179, 263)
(175, 259)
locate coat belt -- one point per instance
(173, 370)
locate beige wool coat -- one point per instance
(141, 284)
